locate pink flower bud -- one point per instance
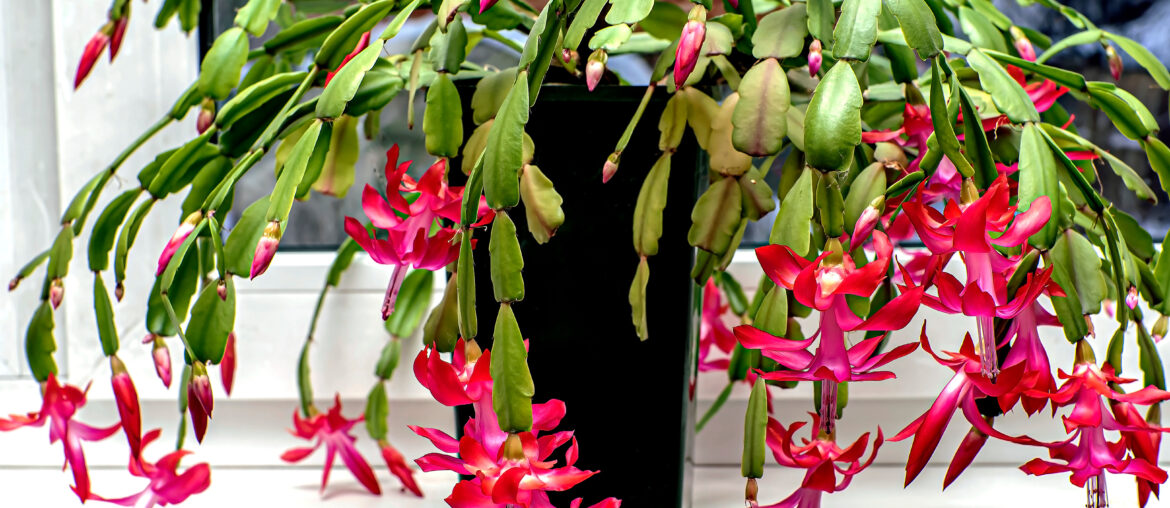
(116, 38)
(227, 366)
(814, 57)
(93, 49)
(595, 68)
(119, 291)
(1131, 298)
(12, 284)
(611, 166)
(866, 222)
(1115, 63)
(265, 249)
(567, 55)
(126, 398)
(200, 400)
(162, 358)
(689, 45)
(485, 5)
(206, 116)
(56, 292)
(1110, 307)
(221, 290)
(177, 239)
(1023, 45)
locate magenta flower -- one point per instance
(1143, 440)
(509, 469)
(965, 229)
(820, 457)
(1087, 454)
(166, 485)
(462, 381)
(332, 430)
(690, 43)
(409, 225)
(129, 411)
(1027, 349)
(962, 391)
(486, 4)
(59, 405)
(822, 284)
(714, 332)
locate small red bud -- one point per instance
(177, 239)
(227, 366)
(93, 49)
(221, 290)
(162, 358)
(119, 291)
(116, 38)
(14, 282)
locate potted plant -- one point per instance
(960, 143)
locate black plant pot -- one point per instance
(630, 402)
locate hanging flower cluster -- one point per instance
(510, 469)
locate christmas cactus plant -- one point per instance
(917, 168)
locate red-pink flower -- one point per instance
(690, 43)
(1143, 440)
(409, 225)
(714, 332)
(1087, 454)
(332, 430)
(966, 229)
(167, 485)
(820, 457)
(398, 467)
(514, 470)
(964, 389)
(823, 284)
(59, 405)
(462, 381)
(126, 398)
